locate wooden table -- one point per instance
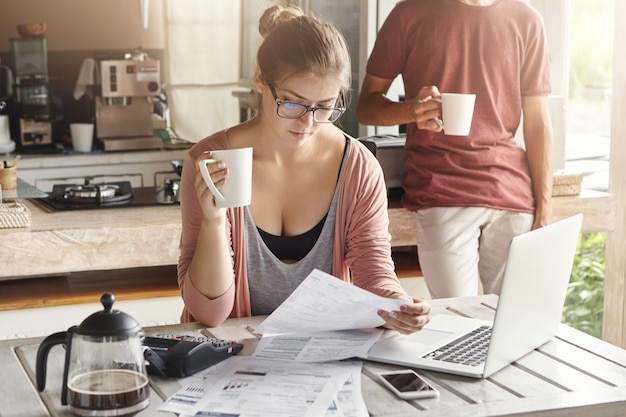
(572, 375)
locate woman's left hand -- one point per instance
(411, 318)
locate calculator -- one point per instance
(181, 355)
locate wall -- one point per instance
(83, 25)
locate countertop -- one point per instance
(100, 239)
(23, 190)
(117, 238)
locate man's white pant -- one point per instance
(457, 246)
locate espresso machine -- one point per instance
(124, 108)
(34, 104)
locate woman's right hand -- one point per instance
(219, 173)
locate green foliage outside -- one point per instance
(590, 78)
(584, 304)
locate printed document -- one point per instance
(323, 303)
(250, 387)
(318, 347)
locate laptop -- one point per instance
(528, 314)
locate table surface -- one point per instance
(572, 375)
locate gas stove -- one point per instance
(86, 196)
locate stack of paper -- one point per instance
(296, 368)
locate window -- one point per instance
(590, 77)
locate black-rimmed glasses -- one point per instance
(321, 114)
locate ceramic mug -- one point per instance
(457, 112)
(82, 136)
(237, 190)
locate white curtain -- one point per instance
(204, 54)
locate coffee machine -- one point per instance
(34, 104)
(125, 105)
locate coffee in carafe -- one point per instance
(124, 391)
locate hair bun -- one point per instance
(276, 15)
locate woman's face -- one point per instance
(307, 90)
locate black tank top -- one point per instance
(292, 247)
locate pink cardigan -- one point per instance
(362, 243)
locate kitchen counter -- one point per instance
(599, 210)
(23, 190)
(90, 240)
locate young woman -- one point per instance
(318, 196)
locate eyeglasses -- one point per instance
(321, 114)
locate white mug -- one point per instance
(237, 191)
(457, 112)
(82, 136)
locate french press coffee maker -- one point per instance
(104, 372)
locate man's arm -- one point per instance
(538, 140)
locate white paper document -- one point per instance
(250, 387)
(323, 303)
(194, 387)
(318, 347)
(349, 401)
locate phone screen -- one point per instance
(407, 381)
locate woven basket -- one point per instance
(566, 183)
(14, 214)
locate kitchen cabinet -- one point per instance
(141, 168)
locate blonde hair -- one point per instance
(276, 15)
(295, 43)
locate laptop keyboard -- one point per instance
(469, 349)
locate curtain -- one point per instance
(204, 60)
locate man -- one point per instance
(471, 194)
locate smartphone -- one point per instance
(407, 384)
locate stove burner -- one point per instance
(89, 191)
(70, 196)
